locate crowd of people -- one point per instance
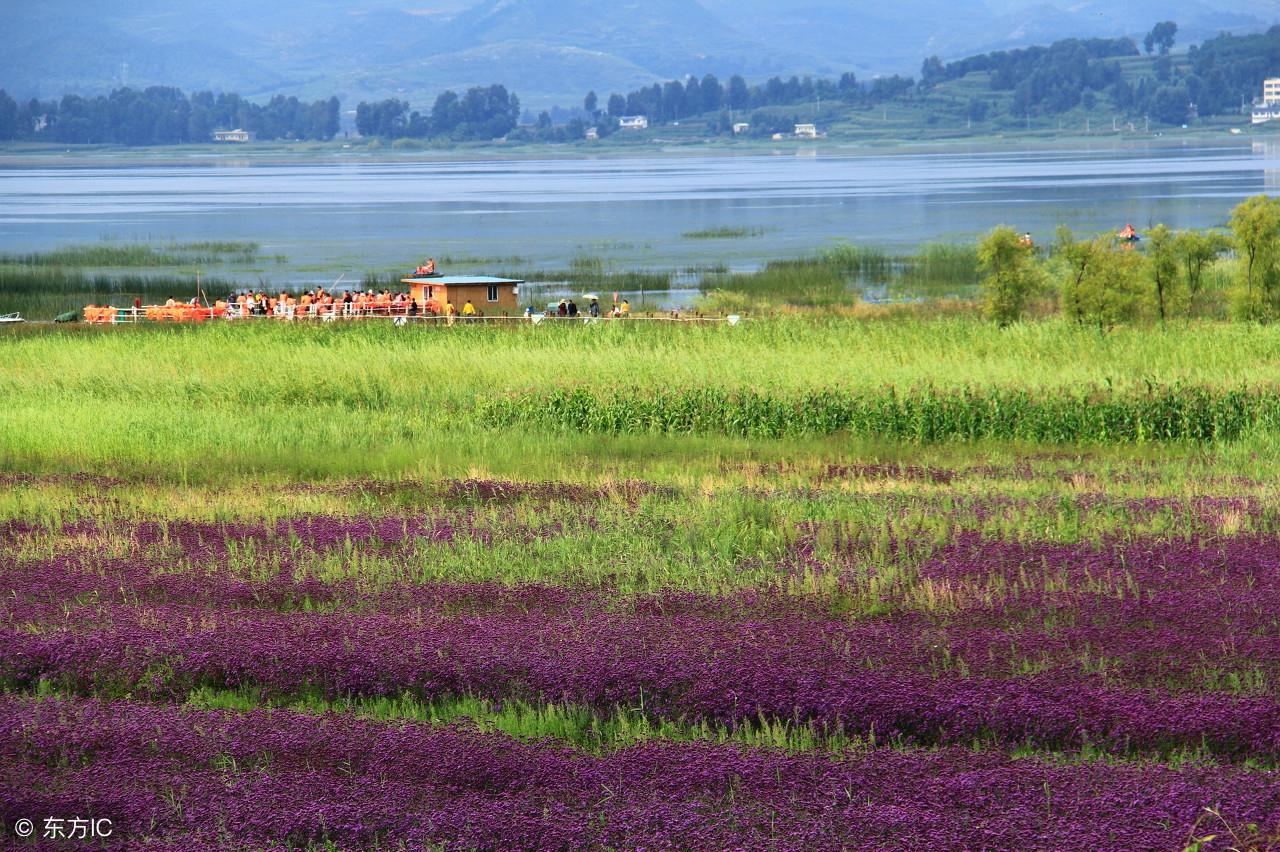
(320, 303)
(568, 308)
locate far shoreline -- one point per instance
(45, 155)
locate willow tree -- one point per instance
(1010, 274)
(1108, 289)
(1255, 223)
(1163, 269)
(1195, 252)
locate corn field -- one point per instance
(1185, 414)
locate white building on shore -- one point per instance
(1268, 109)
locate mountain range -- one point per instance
(549, 51)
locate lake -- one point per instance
(329, 218)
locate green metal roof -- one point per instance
(457, 280)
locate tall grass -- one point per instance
(29, 280)
(834, 277)
(812, 283)
(139, 254)
(953, 264)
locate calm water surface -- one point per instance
(350, 217)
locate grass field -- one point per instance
(378, 399)
(303, 587)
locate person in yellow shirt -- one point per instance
(450, 313)
(625, 310)
(468, 310)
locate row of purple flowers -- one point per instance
(219, 780)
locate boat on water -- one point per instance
(1128, 234)
(11, 318)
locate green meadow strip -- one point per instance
(580, 727)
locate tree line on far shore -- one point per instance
(163, 115)
(1105, 281)
(479, 114)
(1210, 79)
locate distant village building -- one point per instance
(593, 133)
(806, 131)
(1268, 109)
(740, 128)
(633, 122)
(236, 135)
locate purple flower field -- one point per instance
(208, 779)
(1002, 692)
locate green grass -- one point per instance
(375, 400)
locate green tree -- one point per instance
(1255, 223)
(1194, 252)
(712, 93)
(1170, 104)
(1010, 275)
(591, 104)
(1074, 260)
(1161, 36)
(8, 116)
(1109, 291)
(1163, 268)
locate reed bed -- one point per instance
(835, 277)
(107, 254)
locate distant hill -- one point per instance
(549, 51)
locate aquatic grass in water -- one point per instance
(108, 254)
(722, 233)
(942, 263)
